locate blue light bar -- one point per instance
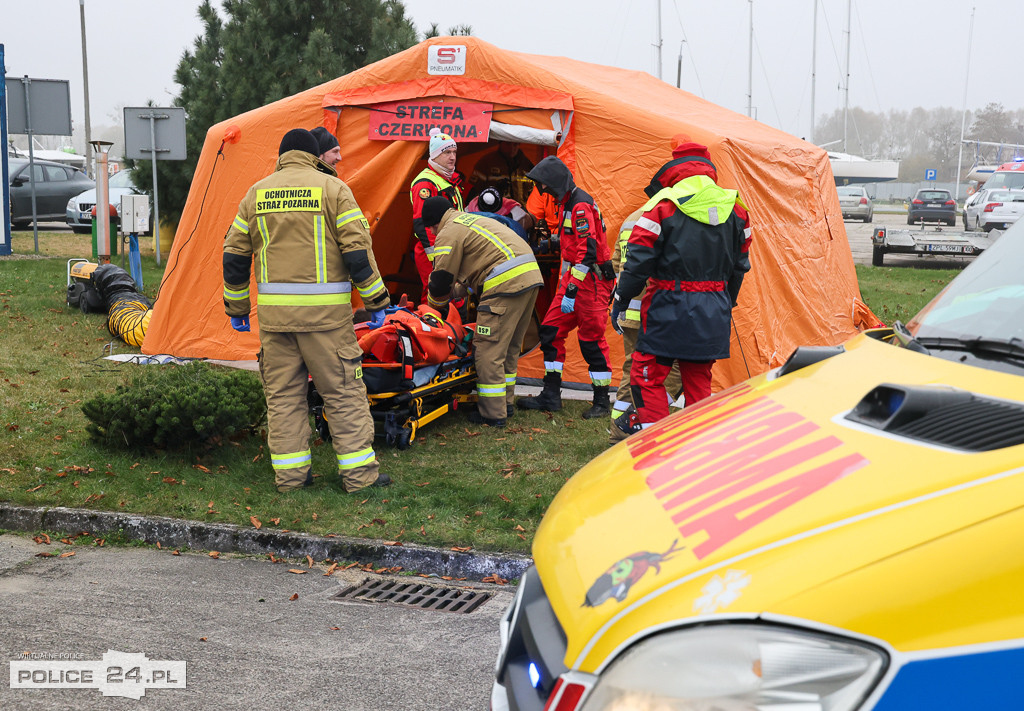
(534, 675)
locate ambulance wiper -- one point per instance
(906, 340)
(1013, 346)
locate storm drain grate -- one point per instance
(419, 595)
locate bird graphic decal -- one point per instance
(618, 579)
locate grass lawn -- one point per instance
(897, 293)
(459, 485)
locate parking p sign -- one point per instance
(930, 174)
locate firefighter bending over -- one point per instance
(499, 266)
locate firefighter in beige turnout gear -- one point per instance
(498, 265)
(629, 325)
(311, 243)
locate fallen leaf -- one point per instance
(334, 566)
(202, 639)
(391, 543)
(538, 430)
(294, 597)
(462, 549)
(334, 629)
(170, 480)
(350, 565)
(426, 483)
(314, 516)
(296, 571)
(380, 522)
(35, 488)
(494, 578)
(209, 505)
(201, 468)
(44, 555)
(504, 498)
(175, 552)
(158, 546)
(214, 554)
(275, 521)
(255, 522)
(519, 528)
(67, 555)
(309, 561)
(42, 538)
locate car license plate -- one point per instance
(946, 248)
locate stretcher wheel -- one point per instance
(404, 439)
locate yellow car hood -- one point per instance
(765, 501)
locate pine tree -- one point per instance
(265, 50)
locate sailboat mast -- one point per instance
(846, 88)
(659, 38)
(814, 66)
(750, 65)
(963, 117)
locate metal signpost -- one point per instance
(157, 133)
(37, 107)
(5, 235)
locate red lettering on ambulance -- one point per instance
(728, 522)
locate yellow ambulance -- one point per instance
(843, 533)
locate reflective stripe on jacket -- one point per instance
(299, 225)
(485, 255)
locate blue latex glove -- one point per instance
(568, 305)
(616, 314)
(240, 323)
(376, 319)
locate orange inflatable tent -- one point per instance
(612, 127)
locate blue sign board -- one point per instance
(930, 174)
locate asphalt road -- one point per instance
(246, 642)
(859, 235)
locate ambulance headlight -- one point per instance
(739, 668)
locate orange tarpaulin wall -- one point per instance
(616, 127)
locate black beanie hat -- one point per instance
(434, 209)
(299, 139)
(325, 139)
(490, 200)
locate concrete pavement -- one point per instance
(253, 634)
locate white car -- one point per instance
(993, 209)
(78, 213)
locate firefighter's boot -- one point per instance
(601, 407)
(550, 398)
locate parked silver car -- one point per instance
(855, 203)
(78, 212)
(993, 209)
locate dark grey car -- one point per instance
(930, 205)
(55, 185)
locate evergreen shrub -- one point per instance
(177, 406)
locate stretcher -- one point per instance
(406, 395)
